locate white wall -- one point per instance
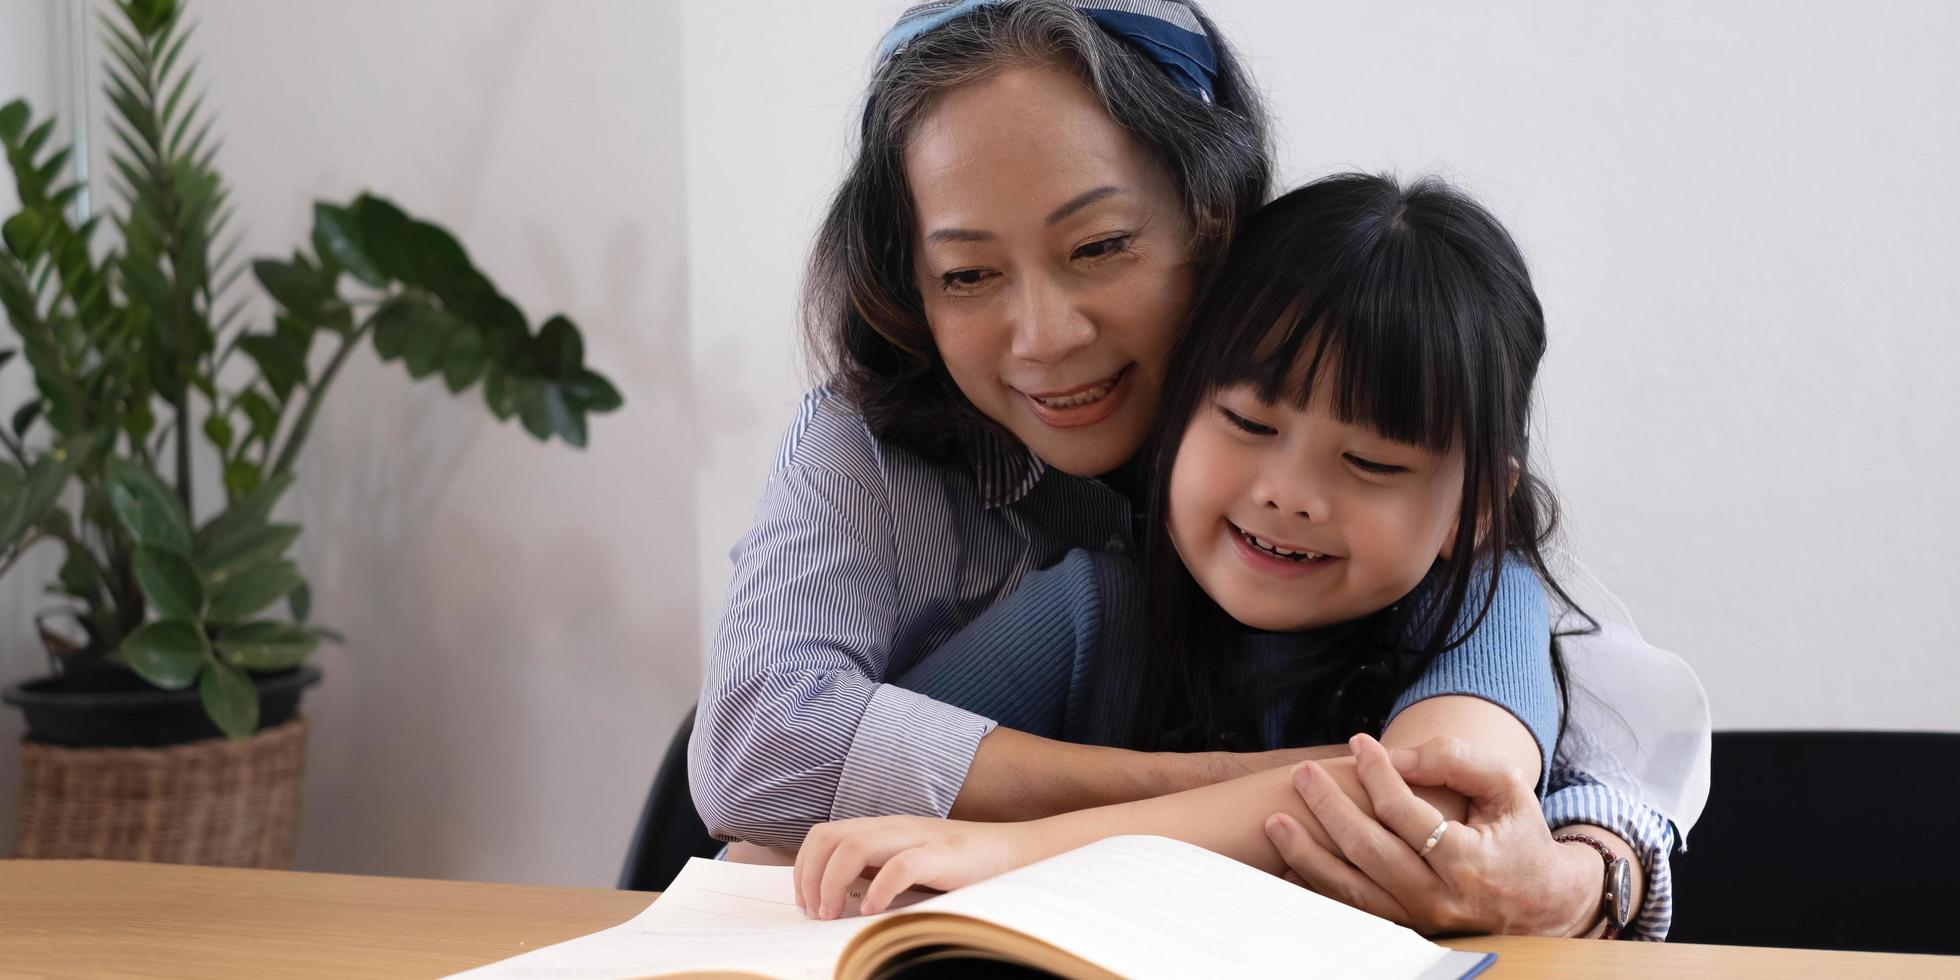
(1740, 216)
(33, 36)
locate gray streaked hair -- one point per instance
(864, 323)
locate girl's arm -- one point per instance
(1228, 818)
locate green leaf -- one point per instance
(560, 349)
(29, 497)
(251, 589)
(149, 16)
(336, 232)
(239, 552)
(280, 358)
(230, 699)
(218, 430)
(170, 582)
(13, 118)
(245, 515)
(147, 509)
(78, 577)
(414, 331)
(263, 645)
(168, 653)
(500, 393)
(241, 477)
(300, 602)
(383, 230)
(463, 361)
(25, 234)
(565, 420)
(24, 418)
(295, 288)
(265, 419)
(591, 392)
(531, 409)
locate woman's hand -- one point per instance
(908, 852)
(1498, 871)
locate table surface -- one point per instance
(66, 918)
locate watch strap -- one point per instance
(1614, 917)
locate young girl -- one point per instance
(1343, 468)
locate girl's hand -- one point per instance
(1498, 871)
(908, 852)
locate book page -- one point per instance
(1156, 907)
(715, 917)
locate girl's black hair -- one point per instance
(864, 323)
(1414, 303)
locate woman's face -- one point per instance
(1053, 258)
(1291, 519)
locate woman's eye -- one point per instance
(1244, 424)
(1103, 248)
(964, 280)
(1370, 466)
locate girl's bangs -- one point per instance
(1384, 337)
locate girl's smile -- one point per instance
(1274, 558)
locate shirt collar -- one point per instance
(1004, 469)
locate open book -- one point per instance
(1121, 907)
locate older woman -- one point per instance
(1041, 190)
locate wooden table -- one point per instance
(93, 918)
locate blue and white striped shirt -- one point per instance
(865, 558)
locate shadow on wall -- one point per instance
(521, 635)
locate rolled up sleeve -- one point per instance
(794, 726)
(1578, 798)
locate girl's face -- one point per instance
(1291, 519)
(1053, 259)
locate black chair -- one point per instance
(670, 830)
(1825, 840)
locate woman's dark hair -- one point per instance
(863, 319)
(1414, 305)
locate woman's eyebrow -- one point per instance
(1082, 200)
(959, 235)
(1076, 203)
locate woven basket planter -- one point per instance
(214, 801)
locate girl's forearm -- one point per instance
(1228, 817)
(1018, 776)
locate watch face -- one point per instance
(1619, 892)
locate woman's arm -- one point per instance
(797, 725)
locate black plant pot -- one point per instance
(143, 716)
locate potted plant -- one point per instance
(167, 726)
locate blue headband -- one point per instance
(1166, 31)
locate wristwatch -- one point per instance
(1616, 903)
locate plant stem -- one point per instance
(14, 447)
(314, 393)
(33, 538)
(184, 452)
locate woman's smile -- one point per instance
(1082, 404)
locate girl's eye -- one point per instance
(1103, 248)
(964, 280)
(1246, 425)
(1370, 466)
